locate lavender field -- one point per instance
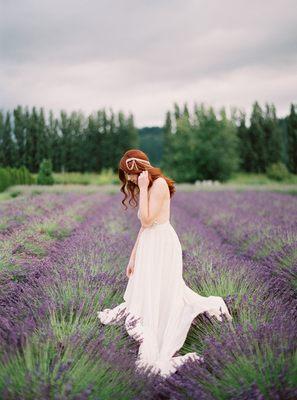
(63, 257)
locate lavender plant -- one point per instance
(240, 246)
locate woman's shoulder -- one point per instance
(160, 184)
(160, 181)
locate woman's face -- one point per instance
(131, 177)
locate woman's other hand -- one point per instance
(130, 269)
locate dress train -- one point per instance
(158, 306)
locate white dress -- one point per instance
(159, 300)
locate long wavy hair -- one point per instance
(129, 188)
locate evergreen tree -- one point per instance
(79, 145)
(42, 150)
(44, 176)
(93, 143)
(177, 112)
(20, 135)
(245, 145)
(8, 145)
(107, 140)
(118, 141)
(66, 141)
(292, 139)
(128, 137)
(1, 138)
(257, 138)
(166, 161)
(76, 124)
(132, 135)
(186, 113)
(54, 138)
(32, 141)
(274, 137)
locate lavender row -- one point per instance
(261, 226)
(18, 281)
(16, 213)
(255, 356)
(71, 354)
(251, 358)
(35, 238)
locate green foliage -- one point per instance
(198, 145)
(292, 139)
(40, 366)
(106, 176)
(72, 141)
(151, 142)
(201, 146)
(248, 178)
(263, 143)
(278, 171)
(7, 144)
(45, 176)
(14, 176)
(245, 147)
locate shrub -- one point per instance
(278, 171)
(14, 176)
(45, 176)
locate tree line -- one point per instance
(204, 145)
(73, 142)
(201, 144)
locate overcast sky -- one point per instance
(141, 56)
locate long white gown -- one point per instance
(157, 298)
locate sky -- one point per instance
(141, 56)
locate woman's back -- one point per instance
(164, 214)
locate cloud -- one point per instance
(141, 56)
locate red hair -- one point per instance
(132, 189)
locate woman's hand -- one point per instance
(143, 180)
(130, 269)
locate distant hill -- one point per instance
(151, 142)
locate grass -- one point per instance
(108, 182)
(53, 229)
(37, 367)
(243, 178)
(89, 178)
(261, 367)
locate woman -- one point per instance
(158, 306)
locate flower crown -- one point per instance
(134, 165)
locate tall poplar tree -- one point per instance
(257, 137)
(167, 154)
(274, 137)
(245, 145)
(66, 141)
(55, 148)
(292, 139)
(42, 149)
(1, 138)
(32, 140)
(20, 135)
(8, 144)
